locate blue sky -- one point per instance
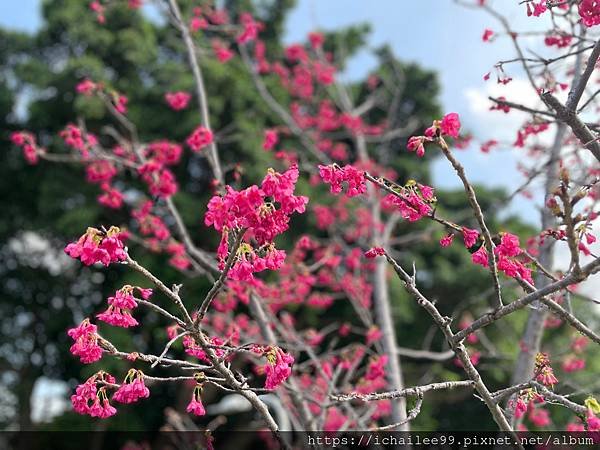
(437, 34)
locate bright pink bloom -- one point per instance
(450, 125)
(546, 376)
(86, 342)
(278, 368)
(447, 240)
(573, 364)
(270, 140)
(124, 298)
(145, 293)
(415, 143)
(592, 421)
(98, 246)
(250, 29)
(376, 368)
(574, 427)
(222, 53)
(132, 389)
(470, 236)
(120, 103)
(198, 23)
(263, 213)
(539, 417)
(111, 197)
(117, 317)
(589, 10)
(520, 408)
(102, 408)
(316, 39)
(178, 100)
(374, 334)
(480, 257)
(487, 35)
(196, 407)
(92, 401)
(200, 138)
(134, 4)
(86, 87)
(509, 245)
(28, 143)
(374, 252)
(335, 176)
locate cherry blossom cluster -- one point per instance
(259, 214)
(120, 305)
(28, 143)
(88, 88)
(449, 125)
(506, 253)
(103, 246)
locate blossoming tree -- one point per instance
(241, 335)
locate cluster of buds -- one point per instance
(88, 88)
(543, 371)
(104, 246)
(27, 142)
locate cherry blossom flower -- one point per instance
(98, 246)
(86, 342)
(195, 405)
(450, 125)
(539, 417)
(178, 100)
(470, 236)
(335, 176)
(374, 334)
(573, 364)
(111, 197)
(415, 144)
(520, 408)
(543, 371)
(263, 213)
(28, 143)
(374, 252)
(250, 29)
(316, 39)
(447, 239)
(132, 389)
(270, 140)
(117, 317)
(589, 10)
(592, 421)
(90, 400)
(278, 368)
(86, 87)
(222, 53)
(480, 257)
(376, 367)
(200, 138)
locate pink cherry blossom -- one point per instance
(132, 389)
(200, 138)
(470, 236)
(450, 125)
(270, 140)
(98, 246)
(278, 368)
(178, 100)
(86, 342)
